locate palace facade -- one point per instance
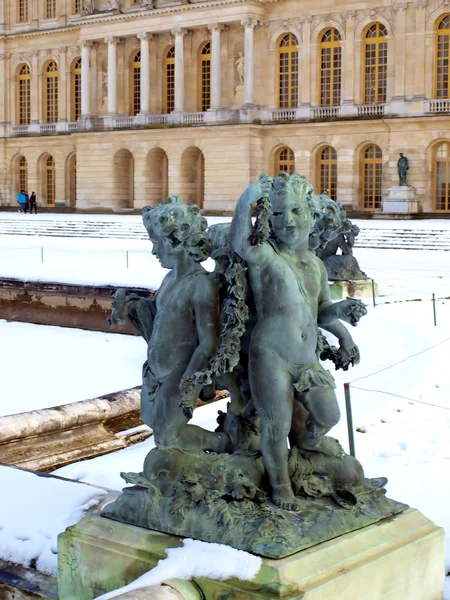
(112, 105)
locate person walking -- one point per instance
(33, 203)
(27, 202)
(21, 199)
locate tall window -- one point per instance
(288, 72)
(330, 68)
(442, 59)
(169, 83)
(372, 172)
(50, 9)
(136, 83)
(24, 96)
(205, 77)
(50, 181)
(441, 175)
(285, 161)
(375, 64)
(23, 173)
(328, 171)
(51, 93)
(77, 7)
(76, 90)
(22, 11)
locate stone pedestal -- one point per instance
(399, 558)
(401, 200)
(340, 290)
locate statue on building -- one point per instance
(402, 167)
(251, 327)
(88, 7)
(240, 67)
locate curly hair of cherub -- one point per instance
(284, 182)
(181, 223)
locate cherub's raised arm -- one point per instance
(241, 225)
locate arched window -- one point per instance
(375, 64)
(330, 68)
(328, 171)
(205, 77)
(24, 96)
(136, 83)
(51, 93)
(50, 9)
(22, 11)
(441, 176)
(288, 72)
(285, 161)
(442, 59)
(23, 173)
(169, 83)
(50, 181)
(372, 175)
(76, 90)
(77, 7)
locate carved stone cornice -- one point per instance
(399, 8)
(349, 14)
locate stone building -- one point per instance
(109, 104)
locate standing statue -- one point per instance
(88, 7)
(240, 67)
(344, 266)
(251, 327)
(402, 167)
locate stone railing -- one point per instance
(18, 130)
(123, 122)
(437, 106)
(193, 118)
(326, 112)
(371, 110)
(157, 120)
(47, 128)
(72, 127)
(284, 114)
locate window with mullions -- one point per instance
(372, 174)
(169, 83)
(288, 72)
(50, 181)
(22, 11)
(330, 68)
(328, 172)
(77, 7)
(51, 93)
(205, 77)
(375, 64)
(76, 90)
(50, 9)
(24, 96)
(441, 176)
(23, 174)
(442, 59)
(136, 83)
(285, 161)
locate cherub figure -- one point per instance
(291, 294)
(181, 325)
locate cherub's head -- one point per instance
(291, 203)
(176, 230)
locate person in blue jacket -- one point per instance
(22, 200)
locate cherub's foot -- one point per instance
(283, 496)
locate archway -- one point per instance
(122, 193)
(71, 180)
(156, 176)
(192, 176)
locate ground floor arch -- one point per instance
(156, 176)
(192, 176)
(122, 192)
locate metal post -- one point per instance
(373, 292)
(127, 258)
(348, 410)
(434, 310)
(42, 254)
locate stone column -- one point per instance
(305, 65)
(112, 74)
(216, 72)
(419, 50)
(400, 51)
(3, 118)
(249, 66)
(62, 88)
(348, 71)
(36, 98)
(85, 79)
(145, 71)
(179, 68)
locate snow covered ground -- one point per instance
(45, 366)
